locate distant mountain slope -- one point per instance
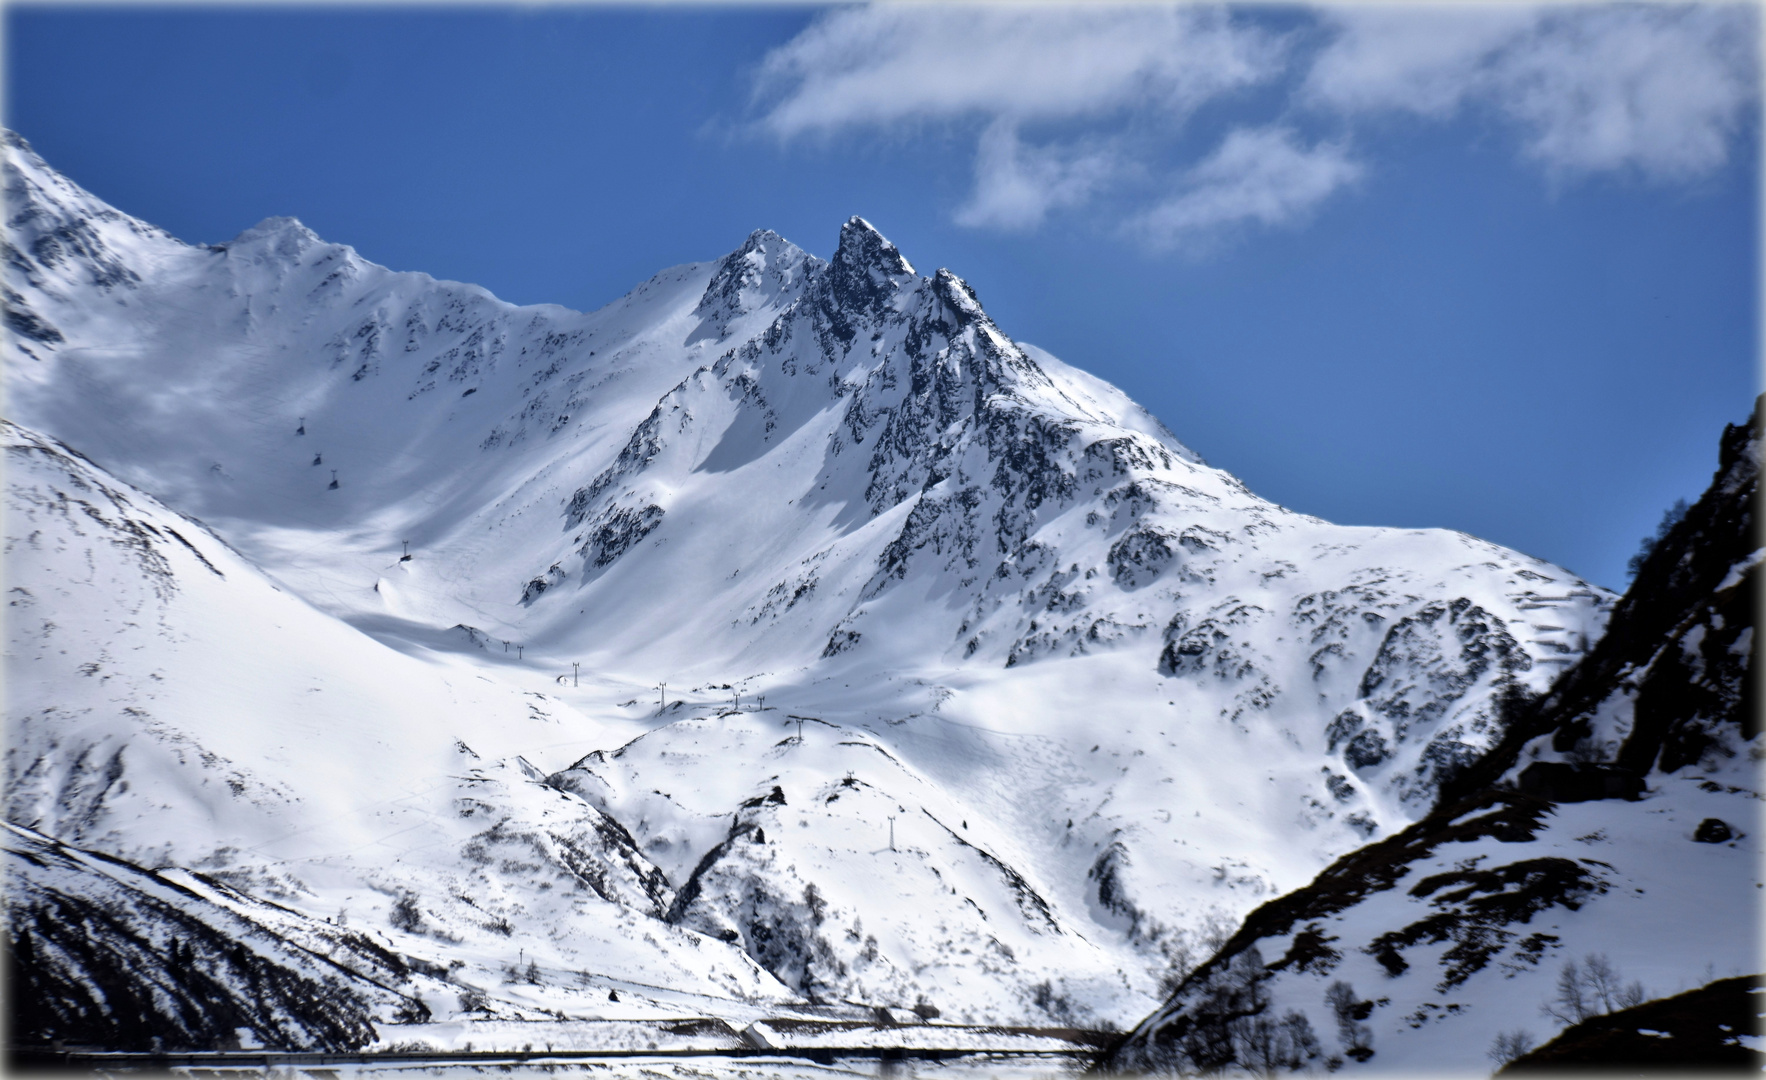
(1612, 829)
(1117, 695)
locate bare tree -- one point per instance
(1267, 1046)
(1348, 1009)
(1257, 1045)
(1570, 1006)
(1217, 929)
(406, 915)
(1592, 988)
(1508, 1046)
(1601, 982)
(1180, 959)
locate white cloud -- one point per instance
(1653, 88)
(1658, 89)
(1016, 186)
(1261, 175)
(1055, 91)
(1405, 59)
(895, 63)
(1008, 66)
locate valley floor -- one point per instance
(651, 1066)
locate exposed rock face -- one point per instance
(1623, 759)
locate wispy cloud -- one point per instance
(1017, 185)
(1654, 90)
(1262, 175)
(1657, 89)
(1402, 59)
(1651, 88)
(890, 64)
(1002, 68)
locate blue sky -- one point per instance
(1494, 270)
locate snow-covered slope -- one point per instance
(1604, 853)
(1107, 694)
(169, 706)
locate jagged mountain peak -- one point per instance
(862, 243)
(23, 157)
(285, 243)
(867, 271)
(763, 271)
(37, 195)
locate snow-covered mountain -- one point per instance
(841, 647)
(1602, 855)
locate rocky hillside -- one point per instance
(1601, 855)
